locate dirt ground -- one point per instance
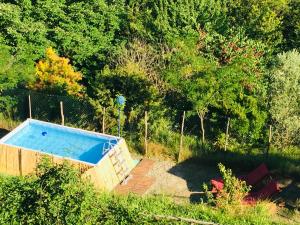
(180, 180)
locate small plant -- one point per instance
(233, 192)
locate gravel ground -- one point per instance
(180, 180)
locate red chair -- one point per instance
(252, 178)
(256, 175)
(217, 184)
(267, 191)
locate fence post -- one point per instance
(270, 139)
(29, 104)
(20, 161)
(103, 120)
(181, 136)
(62, 113)
(146, 132)
(227, 133)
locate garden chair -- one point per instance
(266, 192)
(252, 178)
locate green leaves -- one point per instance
(58, 195)
(285, 98)
(15, 70)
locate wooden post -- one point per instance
(20, 161)
(227, 133)
(181, 136)
(103, 120)
(270, 140)
(146, 132)
(270, 134)
(62, 114)
(29, 105)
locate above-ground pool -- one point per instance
(61, 141)
(103, 158)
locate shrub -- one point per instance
(285, 98)
(234, 191)
(58, 195)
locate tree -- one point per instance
(192, 75)
(285, 98)
(291, 25)
(82, 30)
(227, 84)
(261, 19)
(15, 70)
(55, 74)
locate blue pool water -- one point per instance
(61, 141)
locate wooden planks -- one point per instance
(18, 161)
(3, 150)
(28, 162)
(12, 161)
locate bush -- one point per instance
(58, 195)
(232, 195)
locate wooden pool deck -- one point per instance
(138, 182)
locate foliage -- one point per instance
(234, 190)
(285, 98)
(291, 25)
(58, 195)
(211, 58)
(261, 19)
(15, 70)
(55, 74)
(83, 31)
(232, 87)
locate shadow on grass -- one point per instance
(201, 170)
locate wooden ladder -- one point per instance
(119, 163)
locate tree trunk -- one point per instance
(270, 141)
(201, 116)
(181, 137)
(103, 120)
(227, 134)
(146, 133)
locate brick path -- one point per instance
(139, 182)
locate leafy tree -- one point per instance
(20, 30)
(15, 70)
(192, 75)
(83, 31)
(261, 19)
(240, 93)
(55, 74)
(166, 19)
(291, 25)
(285, 98)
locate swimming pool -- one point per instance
(61, 141)
(105, 159)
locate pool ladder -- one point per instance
(117, 159)
(119, 163)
